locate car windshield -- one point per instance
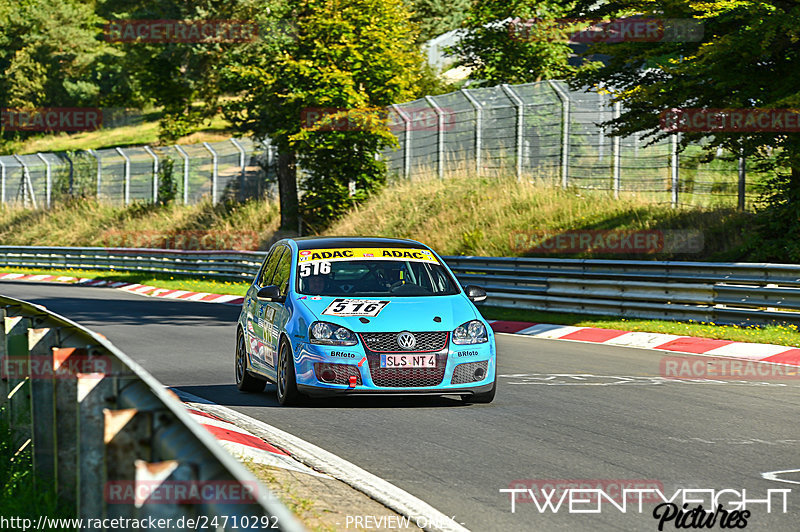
(372, 272)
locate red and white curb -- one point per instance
(243, 444)
(779, 354)
(141, 289)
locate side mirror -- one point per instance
(270, 293)
(476, 294)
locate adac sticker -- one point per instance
(419, 255)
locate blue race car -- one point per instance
(362, 316)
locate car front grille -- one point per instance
(343, 372)
(427, 342)
(465, 373)
(386, 342)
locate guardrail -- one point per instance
(673, 290)
(110, 437)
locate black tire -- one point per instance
(245, 381)
(486, 397)
(285, 378)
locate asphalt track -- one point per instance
(617, 424)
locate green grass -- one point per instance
(21, 494)
(771, 334)
(173, 282)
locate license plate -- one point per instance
(408, 361)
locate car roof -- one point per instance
(355, 241)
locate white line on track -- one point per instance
(315, 457)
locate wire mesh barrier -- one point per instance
(546, 131)
(539, 130)
(232, 169)
(702, 291)
(114, 443)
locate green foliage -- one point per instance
(354, 56)
(747, 58)
(497, 54)
(436, 17)
(167, 185)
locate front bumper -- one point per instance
(457, 374)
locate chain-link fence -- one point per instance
(546, 131)
(537, 130)
(232, 169)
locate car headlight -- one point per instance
(472, 332)
(324, 333)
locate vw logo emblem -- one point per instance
(406, 340)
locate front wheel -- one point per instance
(486, 397)
(287, 384)
(244, 380)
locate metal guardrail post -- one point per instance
(149, 150)
(127, 176)
(478, 129)
(26, 186)
(406, 140)
(214, 171)
(2, 182)
(48, 179)
(185, 157)
(242, 163)
(616, 155)
(520, 106)
(564, 98)
(99, 170)
(673, 167)
(742, 168)
(439, 135)
(97, 435)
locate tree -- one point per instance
(47, 52)
(435, 17)
(747, 58)
(351, 56)
(498, 46)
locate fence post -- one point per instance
(48, 179)
(185, 157)
(742, 178)
(214, 171)
(616, 155)
(149, 150)
(2, 182)
(26, 182)
(673, 165)
(478, 129)
(71, 172)
(127, 176)
(406, 141)
(439, 136)
(564, 98)
(520, 123)
(99, 170)
(242, 156)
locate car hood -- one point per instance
(406, 313)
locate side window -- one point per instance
(281, 279)
(269, 266)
